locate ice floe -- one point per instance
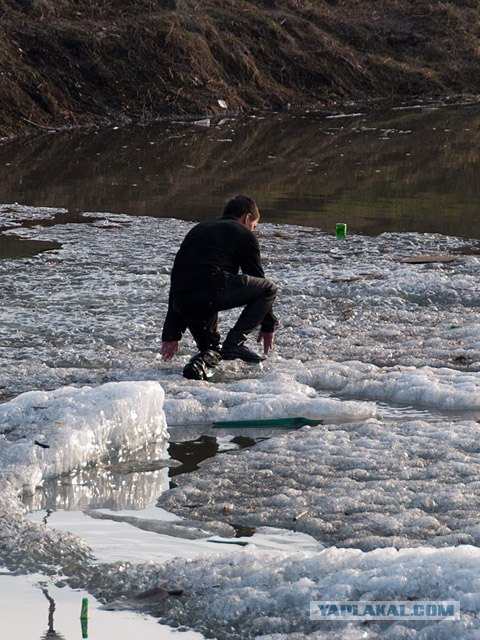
(365, 485)
(266, 595)
(391, 491)
(47, 434)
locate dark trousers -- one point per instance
(200, 308)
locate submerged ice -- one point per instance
(385, 353)
(364, 485)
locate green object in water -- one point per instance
(279, 423)
(84, 618)
(84, 610)
(340, 230)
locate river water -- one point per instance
(364, 338)
(411, 168)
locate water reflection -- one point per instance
(14, 247)
(403, 170)
(50, 634)
(117, 483)
(100, 487)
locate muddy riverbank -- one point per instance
(69, 64)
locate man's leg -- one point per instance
(206, 335)
(205, 332)
(258, 294)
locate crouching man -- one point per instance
(205, 279)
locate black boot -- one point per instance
(233, 348)
(201, 366)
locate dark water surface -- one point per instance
(402, 169)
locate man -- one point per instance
(205, 280)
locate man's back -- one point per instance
(211, 249)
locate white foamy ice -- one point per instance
(270, 395)
(266, 595)
(76, 426)
(438, 388)
(338, 301)
(366, 485)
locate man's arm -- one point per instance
(173, 330)
(168, 349)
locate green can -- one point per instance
(341, 230)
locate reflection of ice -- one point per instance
(81, 427)
(99, 486)
(78, 426)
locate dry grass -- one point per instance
(70, 62)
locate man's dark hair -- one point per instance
(239, 206)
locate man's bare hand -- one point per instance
(169, 349)
(268, 339)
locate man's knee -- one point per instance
(271, 290)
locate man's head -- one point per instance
(244, 210)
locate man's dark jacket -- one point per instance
(209, 252)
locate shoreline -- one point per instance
(371, 105)
(79, 64)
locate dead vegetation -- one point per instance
(80, 62)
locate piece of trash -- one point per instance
(240, 543)
(341, 230)
(84, 609)
(222, 104)
(205, 122)
(84, 617)
(300, 515)
(42, 444)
